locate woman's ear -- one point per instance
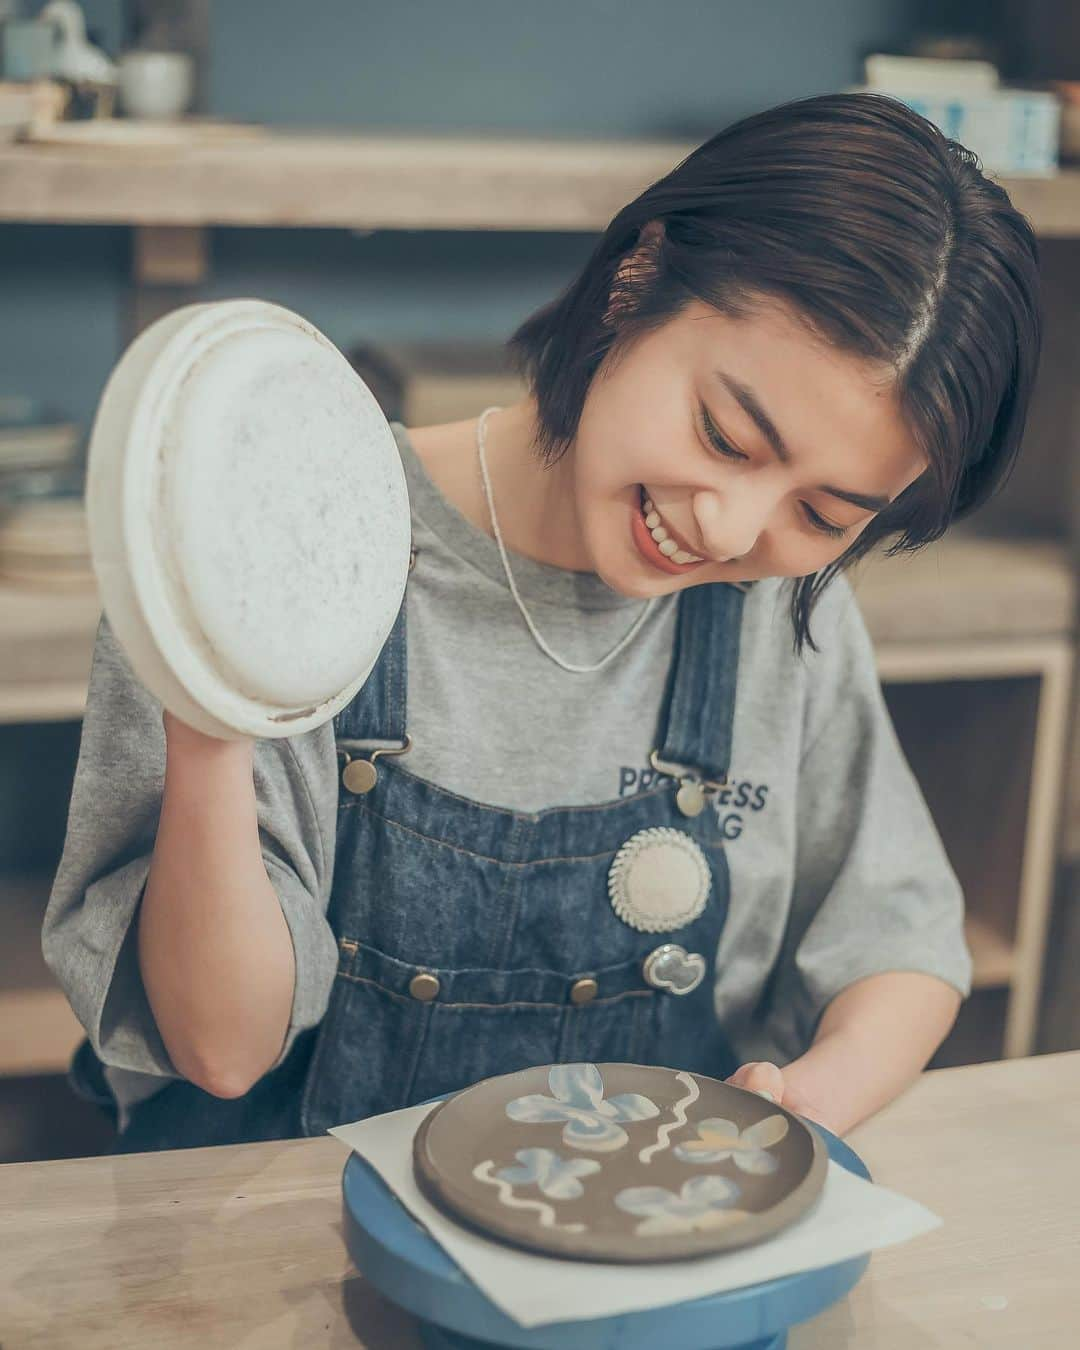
(636, 269)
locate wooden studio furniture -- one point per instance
(219, 1247)
(975, 637)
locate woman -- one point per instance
(638, 797)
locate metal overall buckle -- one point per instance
(361, 775)
(693, 789)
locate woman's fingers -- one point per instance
(761, 1077)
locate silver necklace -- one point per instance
(481, 438)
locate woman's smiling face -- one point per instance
(762, 450)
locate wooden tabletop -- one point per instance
(242, 1247)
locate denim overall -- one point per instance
(475, 940)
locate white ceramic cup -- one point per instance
(156, 85)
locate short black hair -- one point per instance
(878, 232)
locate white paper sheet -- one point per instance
(851, 1217)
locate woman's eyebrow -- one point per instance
(867, 502)
(748, 401)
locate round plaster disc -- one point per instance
(618, 1162)
(249, 518)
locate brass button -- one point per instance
(424, 987)
(584, 991)
(360, 775)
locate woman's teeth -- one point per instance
(668, 547)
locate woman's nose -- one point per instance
(731, 522)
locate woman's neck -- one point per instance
(536, 507)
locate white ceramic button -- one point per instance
(674, 969)
(659, 880)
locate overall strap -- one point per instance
(697, 715)
(376, 715)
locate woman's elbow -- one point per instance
(219, 1078)
(228, 1086)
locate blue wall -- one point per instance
(591, 67)
(608, 67)
(61, 298)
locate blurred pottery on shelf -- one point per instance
(156, 85)
(37, 446)
(74, 58)
(26, 106)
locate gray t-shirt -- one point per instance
(836, 869)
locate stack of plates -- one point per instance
(45, 543)
(37, 446)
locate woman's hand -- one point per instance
(781, 1086)
(181, 737)
(873, 1041)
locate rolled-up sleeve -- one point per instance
(88, 937)
(874, 890)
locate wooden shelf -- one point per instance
(46, 642)
(433, 182)
(983, 727)
(967, 590)
(932, 616)
(51, 701)
(935, 619)
(350, 182)
(992, 956)
(38, 1030)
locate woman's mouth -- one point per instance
(656, 541)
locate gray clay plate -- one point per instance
(618, 1162)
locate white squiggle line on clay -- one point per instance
(663, 1135)
(506, 1194)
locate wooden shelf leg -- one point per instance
(1040, 854)
(169, 263)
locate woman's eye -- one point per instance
(825, 526)
(724, 447)
(716, 440)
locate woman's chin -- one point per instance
(638, 587)
(632, 592)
